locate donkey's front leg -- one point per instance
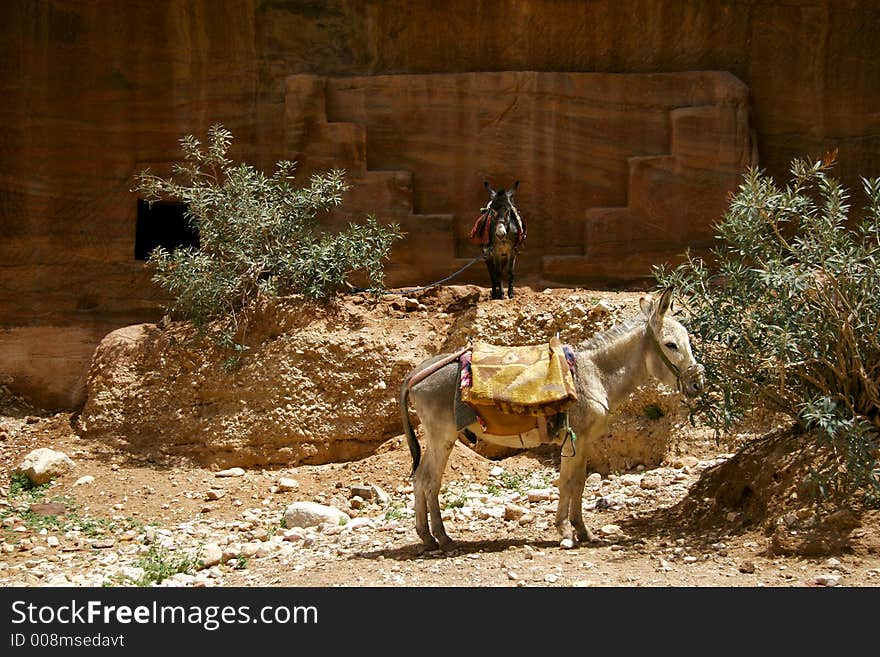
(511, 261)
(495, 278)
(572, 475)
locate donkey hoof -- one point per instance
(430, 545)
(566, 543)
(586, 536)
(447, 545)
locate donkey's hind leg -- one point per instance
(426, 488)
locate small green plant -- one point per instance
(454, 501)
(395, 511)
(240, 562)
(343, 521)
(20, 484)
(258, 236)
(785, 315)
(159, 563)
(492, 489)
(512, 481)
(653, 412)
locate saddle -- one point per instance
(480, 236)
(514, 390)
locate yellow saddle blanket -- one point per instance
(530, 380)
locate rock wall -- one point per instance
(94, 92)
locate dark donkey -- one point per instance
(500, 231)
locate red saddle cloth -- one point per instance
(480, 232)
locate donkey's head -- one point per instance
(669, 356)
(501, 203)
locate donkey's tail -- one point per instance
(415, 449)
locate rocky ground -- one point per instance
(121, 518)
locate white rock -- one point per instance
(44, 464)
(359, 523)
(265, 549)
(211, 555)
(828, 580)
(52, 541)
(610, 530)
(381, 495)
(539, 495)
(85, 479)
(294, 534)
(312, 514)
(287, 484)
(594, 479)
(250, 549)
(58, 579)
(832, 563)
(231, 472)
(496, 471)
(551, 578)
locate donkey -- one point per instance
(609, 366)
(500, 231)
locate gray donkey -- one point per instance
(609, 366)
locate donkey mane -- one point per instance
(608, 336)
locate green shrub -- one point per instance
(786, 315)
(258, 235)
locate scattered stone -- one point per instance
(497, 471)
(52, 541)
(828, 580)
(594, 479)
(650, 483)
(514, 512)
(295, 534)
(47, 508)
(85, 479)
(231, 472)
(215, 494)
(380, 495)
(357, 502)
(832, 563)
(551, 578)
(747, 567)
(610, 530)
(363, 492)
(539, 495)
(287, 485)
(312, 514)
(103, 543)
(360, 523)
(512, 575)
(43, 464)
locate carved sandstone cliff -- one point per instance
(93, 92)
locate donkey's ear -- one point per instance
(646, 303)
(513, 189)
(664, 305)
(489, 187)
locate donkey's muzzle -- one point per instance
(693, 380)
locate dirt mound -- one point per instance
(318, 382)
(769, 485)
